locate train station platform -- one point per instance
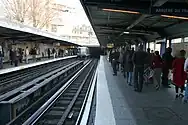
(8, 65)
(9, 68)
(118, 103)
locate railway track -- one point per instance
(25, 100)
(64, 107)
(9, 82)
(68, 99)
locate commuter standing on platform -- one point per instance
(15, 57)
(139, 60)
(20, 52)
(11, 56)
(186, 88)
(1, 60)
(27, 55)
(115, 58)
(167, 65)
(110, 56)
(54, 53)
(125, 62)
(48, 53)
(118, 54)
(130, 67)
(121, 58)
(179, 75)
(157, 65)
(126, 67)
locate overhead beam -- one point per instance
(140, 19)
(159, 3)
(122, 29)
(175, 23)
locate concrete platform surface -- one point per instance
(150, 107)
(8, 68)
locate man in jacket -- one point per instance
(115, 57)
(167, 61)
(139, 60)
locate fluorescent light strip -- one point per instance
(121, 11)
(175, 17)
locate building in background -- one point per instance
(51, 16)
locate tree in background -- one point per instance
(38, 13)
(41, 13)
(16, 9)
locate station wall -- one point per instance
(41, 47)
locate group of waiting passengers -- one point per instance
(134, 63)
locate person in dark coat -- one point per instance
(167, 65)
(11, 56)
(115, 58)
(139, 60)
(15, 57)
(125, 55)
(48, 53)
(130, 67)
(118, 62)
(110, 56)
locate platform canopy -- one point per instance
(134, 21)
(23, 33)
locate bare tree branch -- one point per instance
(39, 13)
(16, 9)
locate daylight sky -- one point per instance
(80, 15)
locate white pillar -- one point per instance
(154, 45)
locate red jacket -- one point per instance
(157, 62)
(179, 75)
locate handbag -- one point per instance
(148, 73)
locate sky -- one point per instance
(80, 15)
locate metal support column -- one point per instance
(144, 46)
(154, 45)
(163, 47)
(170, 42)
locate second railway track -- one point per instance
(11, 81)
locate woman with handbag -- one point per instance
(179, 75)
(157, 67)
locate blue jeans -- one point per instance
(130, 78)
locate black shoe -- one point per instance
(177, 96)
(114, 74)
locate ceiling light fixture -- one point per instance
(175, 17)
(126, 32)
(121, 11)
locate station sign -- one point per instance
(170, 11)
